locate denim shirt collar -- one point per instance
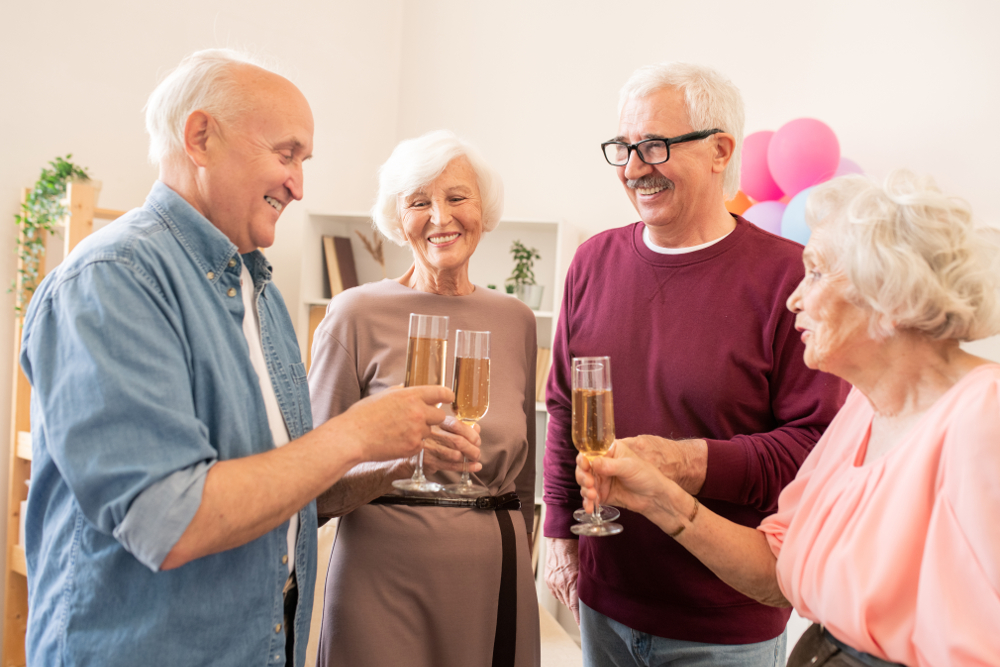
(210, 249)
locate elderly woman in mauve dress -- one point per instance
(889, 537)
(434, 585)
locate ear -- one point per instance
(725, 144)
(198, 130)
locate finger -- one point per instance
(458, 427)
(583, 462)
(454, 441)
(442, 452)
(433, 416)
(433, 394)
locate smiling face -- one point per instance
(443, 221)
(834, 329)
(687, 187)
(254, 166)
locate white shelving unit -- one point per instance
(492, 263)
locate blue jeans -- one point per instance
(608, 643)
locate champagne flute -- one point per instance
(472, 395)
(593, 426)
(426, 354)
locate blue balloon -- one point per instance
(793, 221)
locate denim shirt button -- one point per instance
(232, 262)
(210, 275)
(284, 559)
(232, 291)
(277, 628)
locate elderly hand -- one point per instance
(391, 424)
(448, 443)
(622, 479)
(562, 570)
(684, 461)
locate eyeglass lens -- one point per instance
(652, 151)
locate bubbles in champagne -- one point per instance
(593, 421)
(472, 388)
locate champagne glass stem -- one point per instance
(465, 471)
(418, 473)
(596, 510)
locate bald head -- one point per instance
(217, 81)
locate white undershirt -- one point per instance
(279, 431)
(677, 251)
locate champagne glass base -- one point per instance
(607, 513)
(467, 490)
(419, 485)
(596, 529)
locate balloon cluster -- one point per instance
(779, 171)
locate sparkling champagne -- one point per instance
(425, 361)
(472, 388)
(593, 421)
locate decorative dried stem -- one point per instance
(374, 248)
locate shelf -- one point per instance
(16, 561)
(24, 445)
(543, 313)
(540, 407)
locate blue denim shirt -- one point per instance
(141, 381)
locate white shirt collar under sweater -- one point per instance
(677, 251)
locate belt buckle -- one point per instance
(486, 502)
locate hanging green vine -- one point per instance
(39, 214)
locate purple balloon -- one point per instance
(755, 176)
(802, 153)
(766, 215)
(848, 166)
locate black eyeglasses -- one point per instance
(651, 151)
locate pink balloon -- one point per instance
(755, 176)
(766, 215)
(803, 153)
(848, 166)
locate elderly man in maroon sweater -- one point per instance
(708, 378)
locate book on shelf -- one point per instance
(339, 259)
(542, 365)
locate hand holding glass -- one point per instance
(472, 394)
(426, 354)
(593, 426)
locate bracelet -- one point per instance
(694, 513)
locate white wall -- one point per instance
(535, 86)
(532, 82)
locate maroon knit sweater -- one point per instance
(701, 346)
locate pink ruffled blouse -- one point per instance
(901, 557)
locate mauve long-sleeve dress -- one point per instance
(419, 586)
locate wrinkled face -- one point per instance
(833, 327)
(443, 221)
(255, 167)
(671, 191)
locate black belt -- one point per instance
(505, 637)
(860, 656)
(508, 501)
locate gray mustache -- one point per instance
(651, 181)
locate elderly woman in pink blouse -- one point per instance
(889, 537)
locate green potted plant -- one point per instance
(522, 280)
(41, 213)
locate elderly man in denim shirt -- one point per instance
(175, 466)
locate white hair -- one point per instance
(713, 102)
(416, 162)
(911, 254)
(204, 81)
